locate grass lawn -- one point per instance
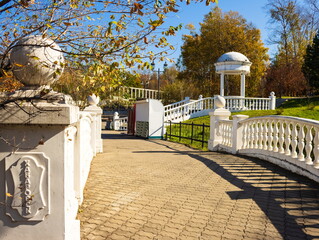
(303, 108)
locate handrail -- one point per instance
(184, 110)
(140, 92)
(290, 142)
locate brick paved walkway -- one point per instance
(152, 189)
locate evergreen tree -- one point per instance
(310, 67)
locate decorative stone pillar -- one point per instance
(237, 133)
(215, 116)
(272, 103)
(200, 103)
(116, 122)
(97, 112)
(37, 135)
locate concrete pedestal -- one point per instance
(37, 199)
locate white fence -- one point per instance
(292, 143)
(185, 110)
(177, 104)
(189, 110)
(120, 124)
(135, 93)
(88, 143)
(235, 104)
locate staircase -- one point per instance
(187, 108)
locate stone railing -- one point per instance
(46, 148)
(119, 123)
(235, 104)
(185, 110)
(292, 143)
(177, 104)
(49, 159)
(136, 93)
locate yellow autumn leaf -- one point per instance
(9, 195)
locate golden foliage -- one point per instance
(220, 33)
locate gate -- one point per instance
(131, 120)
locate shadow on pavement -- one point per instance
(290, 201)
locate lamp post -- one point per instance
(158, 76)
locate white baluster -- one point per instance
(249, 135)
(276, 131)
(301, 143)
(316, 149)
(256, 145)
(287, 139)
(227, 134)
(308, 145)
(281, 137)
(230, 135)
(253, 135)
(294, 141)
(223, 133)
(270, 136)
(260, 135)
(265, 135)
(244, 136)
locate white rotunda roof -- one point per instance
(233, 63)
(232, 57)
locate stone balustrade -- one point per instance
(290, 142)
(187, 109)
(46, 149)
(177, 104)
(119, 123)
(138, 93)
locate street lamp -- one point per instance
(158, 76)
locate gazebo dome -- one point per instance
(233, 63)
(233, 57)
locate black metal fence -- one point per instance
(187, 133)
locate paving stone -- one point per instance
(153, 189)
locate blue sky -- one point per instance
(252, 10)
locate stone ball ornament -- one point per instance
(93, 100)
(220, 102)
(36, 61)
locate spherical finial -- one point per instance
(36, 61)
(220, 102)
(272, 94)
(93, 100)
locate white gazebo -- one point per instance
(233, 63)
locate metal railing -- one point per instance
(189, 131)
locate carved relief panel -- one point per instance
(27, 186)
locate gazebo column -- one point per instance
(242, 85)
(222, 77)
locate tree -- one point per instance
(293, 27)
(311, 63)
(100, 35)
(220, 33)
(285, 79)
